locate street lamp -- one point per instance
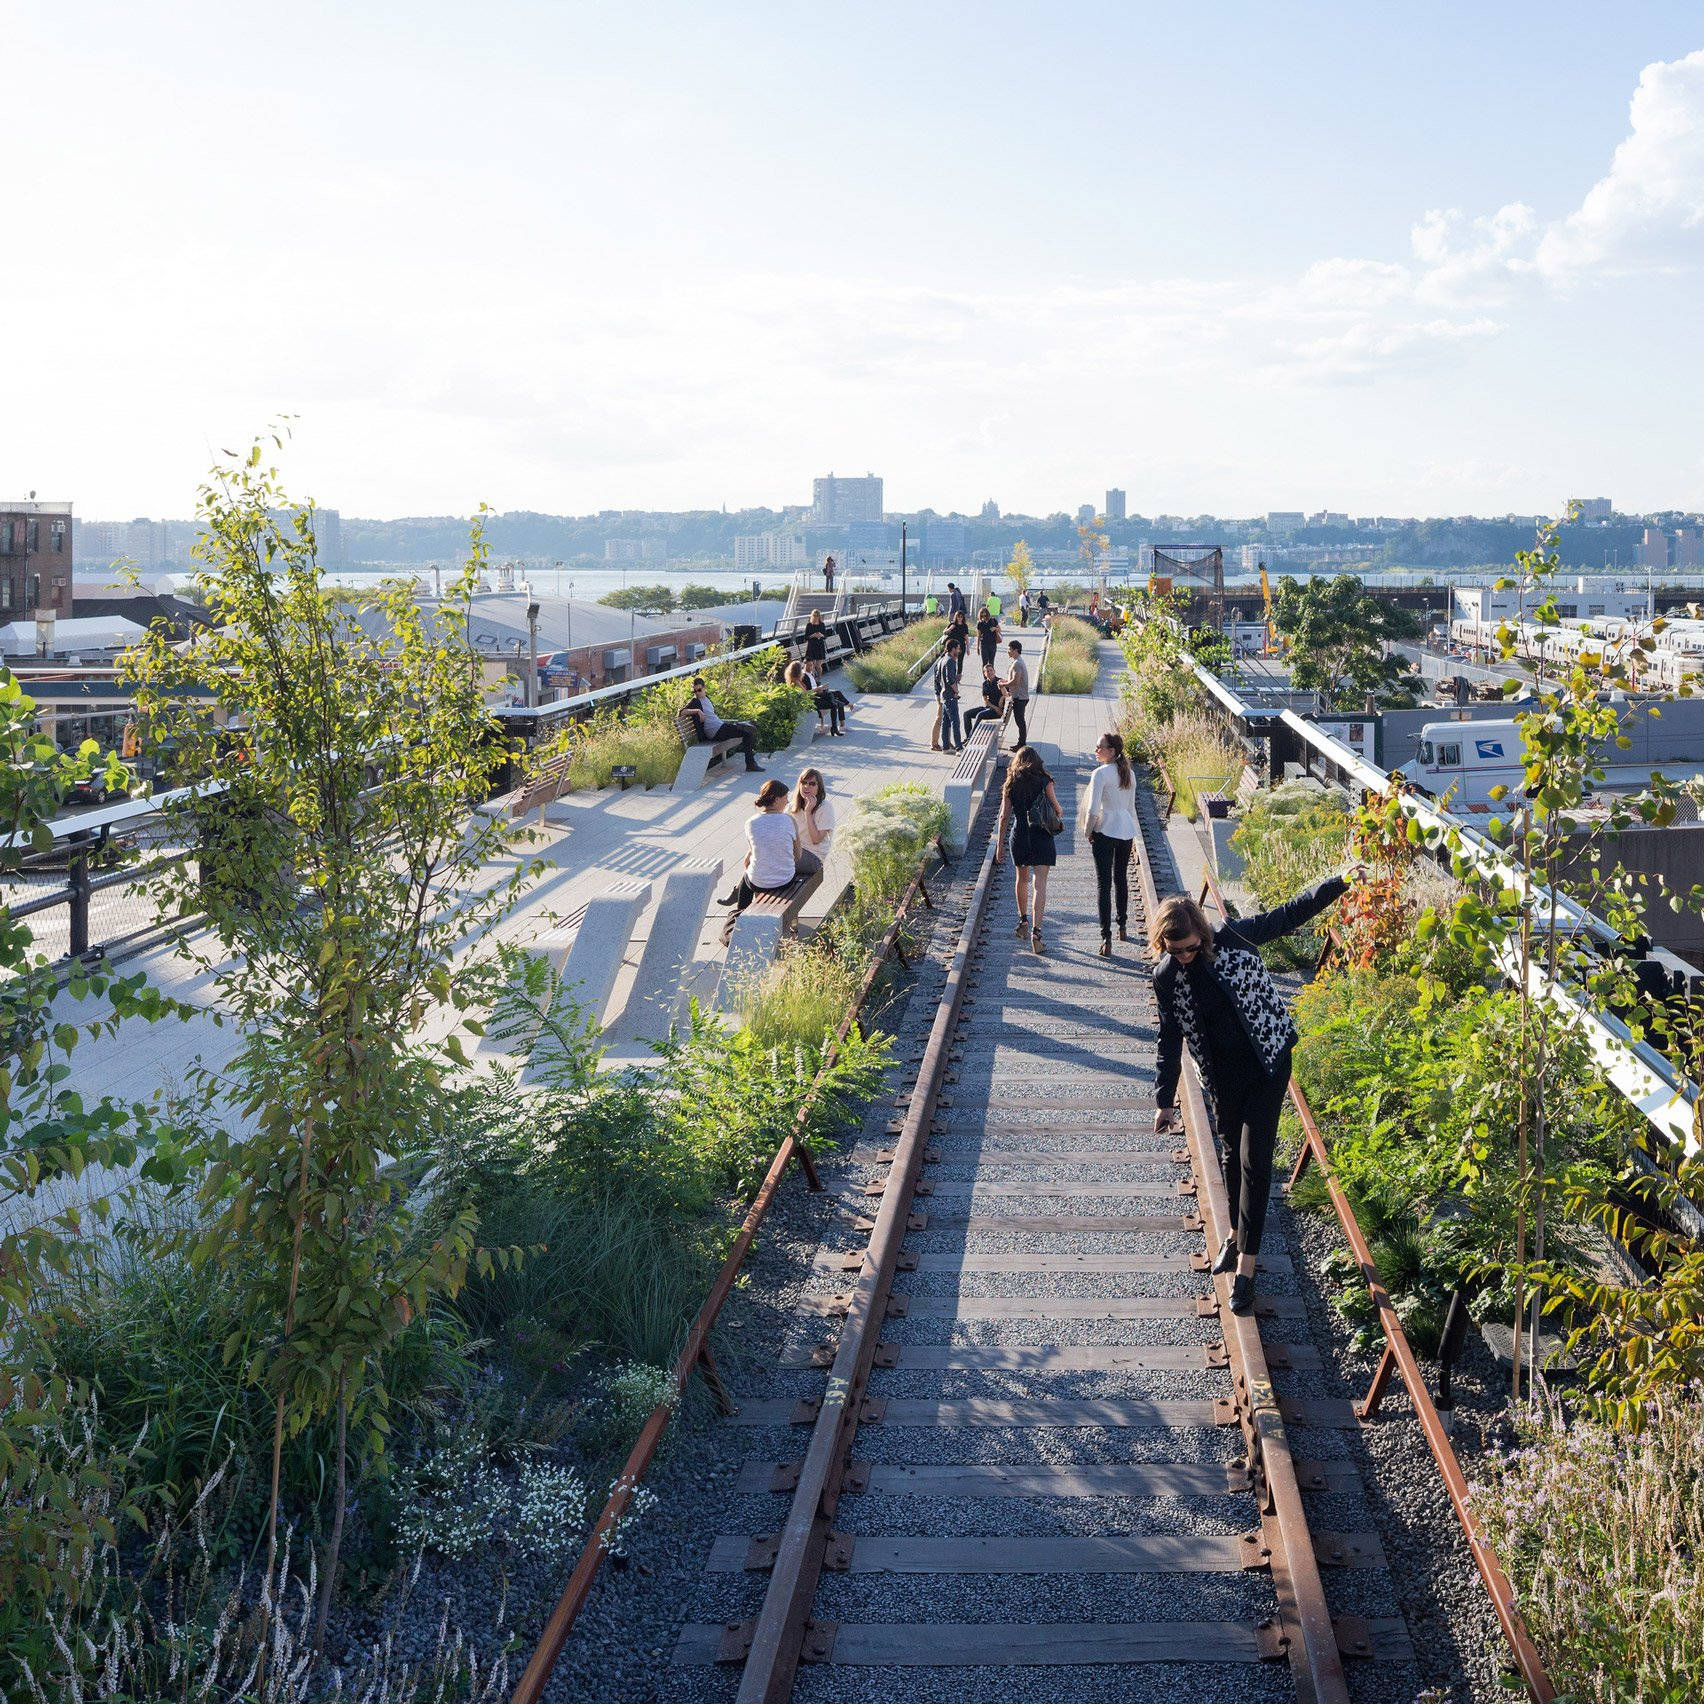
(902, 570)
(532, 656)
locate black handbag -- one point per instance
(1041, 815)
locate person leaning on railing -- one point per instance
(1213, 992)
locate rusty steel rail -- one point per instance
(1399, 1357)
(695, 1351)
(1306, 1631)
(783, 1624)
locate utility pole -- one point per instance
(532, 656)
(902, 570)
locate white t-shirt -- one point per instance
(771, 836)
(1115, 805)
(825, 827)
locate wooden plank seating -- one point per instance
(538, 794)
(654, 1005)
(755, 934)
(697, 754)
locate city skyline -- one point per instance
(1271, 274)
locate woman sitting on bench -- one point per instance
(772, 853)
(831, 704)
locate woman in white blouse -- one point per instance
(1109, 816)
(772, 839)
(814, 817)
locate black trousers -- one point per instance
(1020, 714)
(746, 734)
(1246, 1114)
(1112, 875)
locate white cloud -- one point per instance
(1648, 209)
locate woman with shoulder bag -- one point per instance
(1213, 992)
(1029, 803)
(1109, 819)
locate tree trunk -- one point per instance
(335, 1546)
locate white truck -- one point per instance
(1467, 760)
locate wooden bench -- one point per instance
(696, 754)
(968, 777)
(538, 794)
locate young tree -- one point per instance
(1093, 543)
(344, 738)
(1337, 632)
(1021, 569)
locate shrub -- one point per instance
(1073, 657)
(653, 748)
(885, 666)
(1197, 757)
(1601, 1536)
(888, 834)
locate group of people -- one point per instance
(1213, 992)
(787, 843)
(949, 732)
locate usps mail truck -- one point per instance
(1467, 760)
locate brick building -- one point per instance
(35, 559)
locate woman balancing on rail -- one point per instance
(1213, 991)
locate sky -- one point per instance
(567, 256)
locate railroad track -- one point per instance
(1042, 1458)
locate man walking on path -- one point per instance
(712, 727)
(1024, 608)
(1018, 692)
(947, 672)
(955, 601)
(987, 635)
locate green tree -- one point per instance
(643, 600)
(699, 597)
(1337, 631)
(345, 737)
(1093, 543)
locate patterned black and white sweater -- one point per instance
(1238, 969)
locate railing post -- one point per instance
(79, 877)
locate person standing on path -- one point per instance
(955, 601)
(828, 573)
(1024, 608)
(816, 643)
(1213, 992)
(1018, 692)
(987, 636)
(1109, 819)
(1029, 803)
(948, 669)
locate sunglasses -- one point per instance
(1183, 949)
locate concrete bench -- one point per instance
(584, 956)
(966, 782)
(697, 754)
(654, 1006)
(805, 729)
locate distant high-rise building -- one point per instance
(1281, 520)
(1593, 508)
(990, 511)
(1085, 514)
(1653, 548)
(770, 550)
(35, 559)
(1114, 510)
(1688, 548)
(836, 501)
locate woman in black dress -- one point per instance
(829, 702)
(1027, 797)
(816, 644)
